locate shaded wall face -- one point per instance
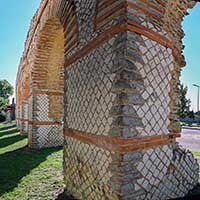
(24, 119)
(88, 102)
(17, 117)
(22, 94)
(88, 85)
(55, 76)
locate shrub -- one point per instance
(2, 116)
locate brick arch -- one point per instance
(18, 100)
(22, 95)
(47, 72)
(53, 33)
(25, 85)
(57, 35)
(58, 29)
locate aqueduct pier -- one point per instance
(102, 77)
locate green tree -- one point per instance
(3, 103)
(6, 89)
(191, 114)
(184, 105)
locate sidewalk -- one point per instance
(191, 127)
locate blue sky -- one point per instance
(191, 73)
(15, 16)
(15, 19)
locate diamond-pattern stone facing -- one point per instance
(24, 124)
(88, 85)
(17, 118)
(167, 172)
(42, 108)
(156, 73)
(20, 116)
(154, 166)
(86, 12)
(49, 136)
(45, 135)
(86, 170)
(30, 103)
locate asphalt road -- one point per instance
(190, 138)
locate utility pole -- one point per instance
(198, 87)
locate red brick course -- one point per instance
(118, 144)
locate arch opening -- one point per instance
(189, 79)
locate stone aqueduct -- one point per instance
(107, 73)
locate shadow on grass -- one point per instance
(10, 140)
(17, 164)
(14, 165)
(7, 127)
(65, 196)
(8, 132)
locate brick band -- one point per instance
(155, 7)
(41, 92)
(145, 11)
(40, 123)
(140, 29)
(46, 92)
(130, 26)
(118, 144)
(96, 42)
(43, 123)
(21, 119)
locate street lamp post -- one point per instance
(198, 87)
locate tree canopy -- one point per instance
(184, 105)
(6, 89)
(3, 102)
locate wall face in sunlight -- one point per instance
(119, 63)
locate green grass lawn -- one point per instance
(26, 174)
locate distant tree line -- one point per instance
(184, 106)
(185, 103)
(6, 90)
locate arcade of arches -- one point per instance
(107, 73)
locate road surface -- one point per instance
(190, 138)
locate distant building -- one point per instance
(11, 111)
